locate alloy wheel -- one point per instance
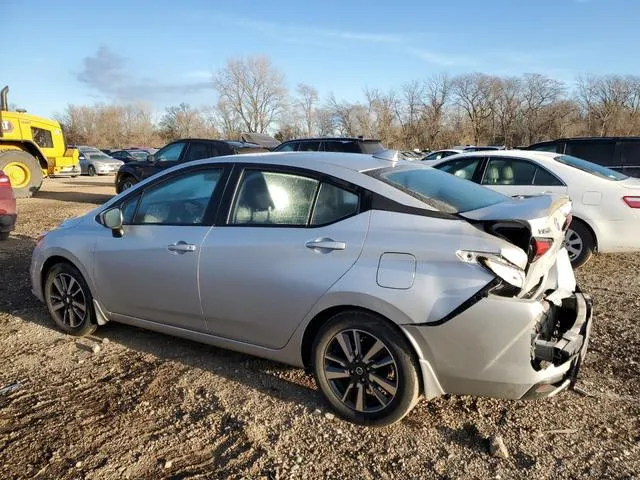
(573, 243)
(68, 301)
(361, 370)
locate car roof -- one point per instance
(233, 143)
(588, 139)
(355, 139)
(531, 154)
(356, 162)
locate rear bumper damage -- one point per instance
(569, 346)
(508, 347)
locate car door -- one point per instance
(164, 158)
(151, 272)
(514, 177)
(277, 252)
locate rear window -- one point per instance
(439, 189)
(592, 168)
(371, 147)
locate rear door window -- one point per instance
(507, 171)
(545, 147)
(463, 168)
(600, 152)
(287, 147)
(312, 146)
(198, 151)
(631, 154)
(348, 146)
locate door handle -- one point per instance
(325, 244)
(181, 247)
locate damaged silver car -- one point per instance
(388, 279)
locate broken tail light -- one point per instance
(496, 264)
(633, 202)
(540, 247)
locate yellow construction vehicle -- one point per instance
(32, 148)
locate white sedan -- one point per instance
(606, 203)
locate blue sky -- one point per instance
(164, 52)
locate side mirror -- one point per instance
(81, 157)
(113, 219)
(151, 158)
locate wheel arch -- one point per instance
(578, 218)
(27, 147)
(313, 327)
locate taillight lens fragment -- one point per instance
(541, 246)
(633, 202)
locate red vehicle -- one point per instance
(8, 211)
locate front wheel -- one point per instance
(579, 242)
(365, 369)
(91, 171)
(69, 300)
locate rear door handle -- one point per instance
(181, 247)
(325, 244)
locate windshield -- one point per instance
(97, 156)
(142, 155)
(441, 190)
(592, 168)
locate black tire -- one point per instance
(580, 243)
(62, 300)
(29, 162)
(91, 171)
(125, 183)
(366, 394)
(4, 235)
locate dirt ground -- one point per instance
(128, 403)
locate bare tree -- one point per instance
(538, 92)
(307, 101)
(181, 121)
(472, 93)
(252, 89)
(436, 93)
(507, 103)
(343, 114)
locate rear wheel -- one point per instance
(23, 171)
(365, 369)
(126, 183)
(69, 300)
(580, 243)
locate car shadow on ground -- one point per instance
(282, 382)
(88, 183)
(76, 197)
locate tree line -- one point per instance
(435, 112)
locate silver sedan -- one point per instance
(388, 279)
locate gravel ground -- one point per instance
(128, 403)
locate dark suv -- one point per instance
(180, 151)
(618, 153)
(328, 144)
